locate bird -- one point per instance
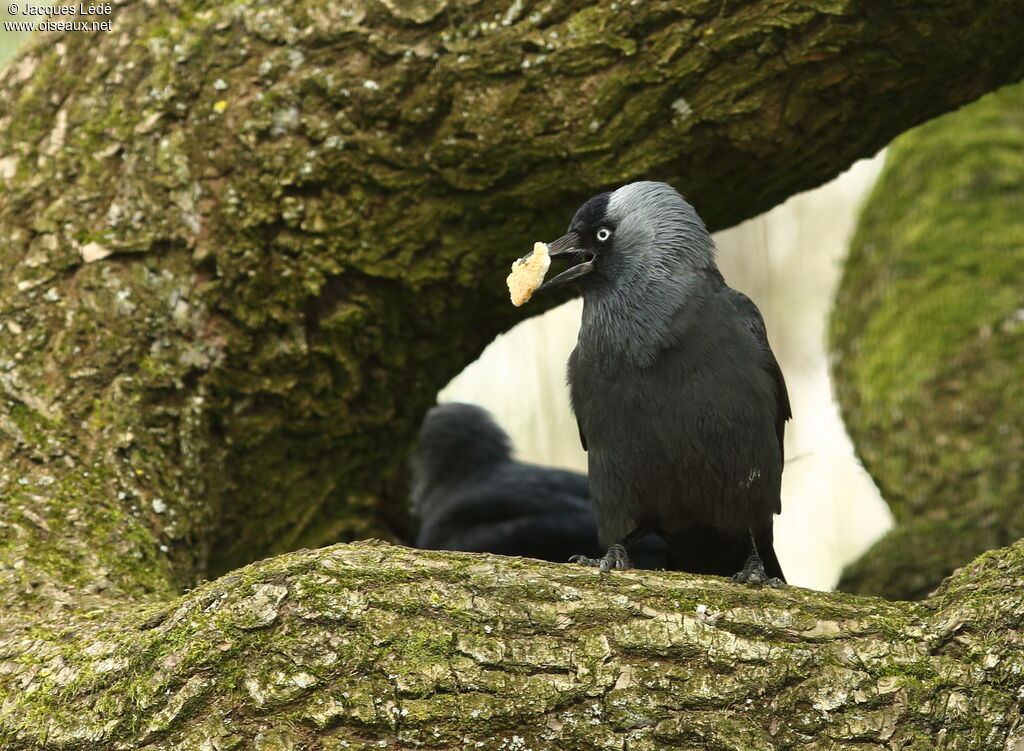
(470, 494)
(680, 402)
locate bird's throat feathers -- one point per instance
(633, 328)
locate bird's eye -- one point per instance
(603, 235)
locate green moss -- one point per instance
(35, 429)
(928, 338)
(57, 513)
(396, 668)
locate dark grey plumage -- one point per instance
(680, 402)
(471, 495)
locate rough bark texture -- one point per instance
(369, 645)
(243, 244)
(929, 339)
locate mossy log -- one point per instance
(374, 646)
(928, 331)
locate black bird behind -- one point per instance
(471, 495)
(679, 399)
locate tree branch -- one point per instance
(370, 643)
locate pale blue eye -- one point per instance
(603, 235)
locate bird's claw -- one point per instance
(753, 573)
(615, 558)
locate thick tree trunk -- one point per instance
(929, 336)
(243, 244)
(369, 646)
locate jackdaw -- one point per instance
(471, 495)
(680, 402)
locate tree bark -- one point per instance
(928, 332)
(369, 645)
(243, 245)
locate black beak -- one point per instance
(568, 246)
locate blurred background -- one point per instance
(788, 261)
(10, 40)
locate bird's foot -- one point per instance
(616, 558)
(753, 573)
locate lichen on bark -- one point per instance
(928, 332)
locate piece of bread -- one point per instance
(528, 273)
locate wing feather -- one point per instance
(751, 318)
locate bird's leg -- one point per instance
(616, 558)
(753, 570)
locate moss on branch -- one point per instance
(368, 644)
(929, 336)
